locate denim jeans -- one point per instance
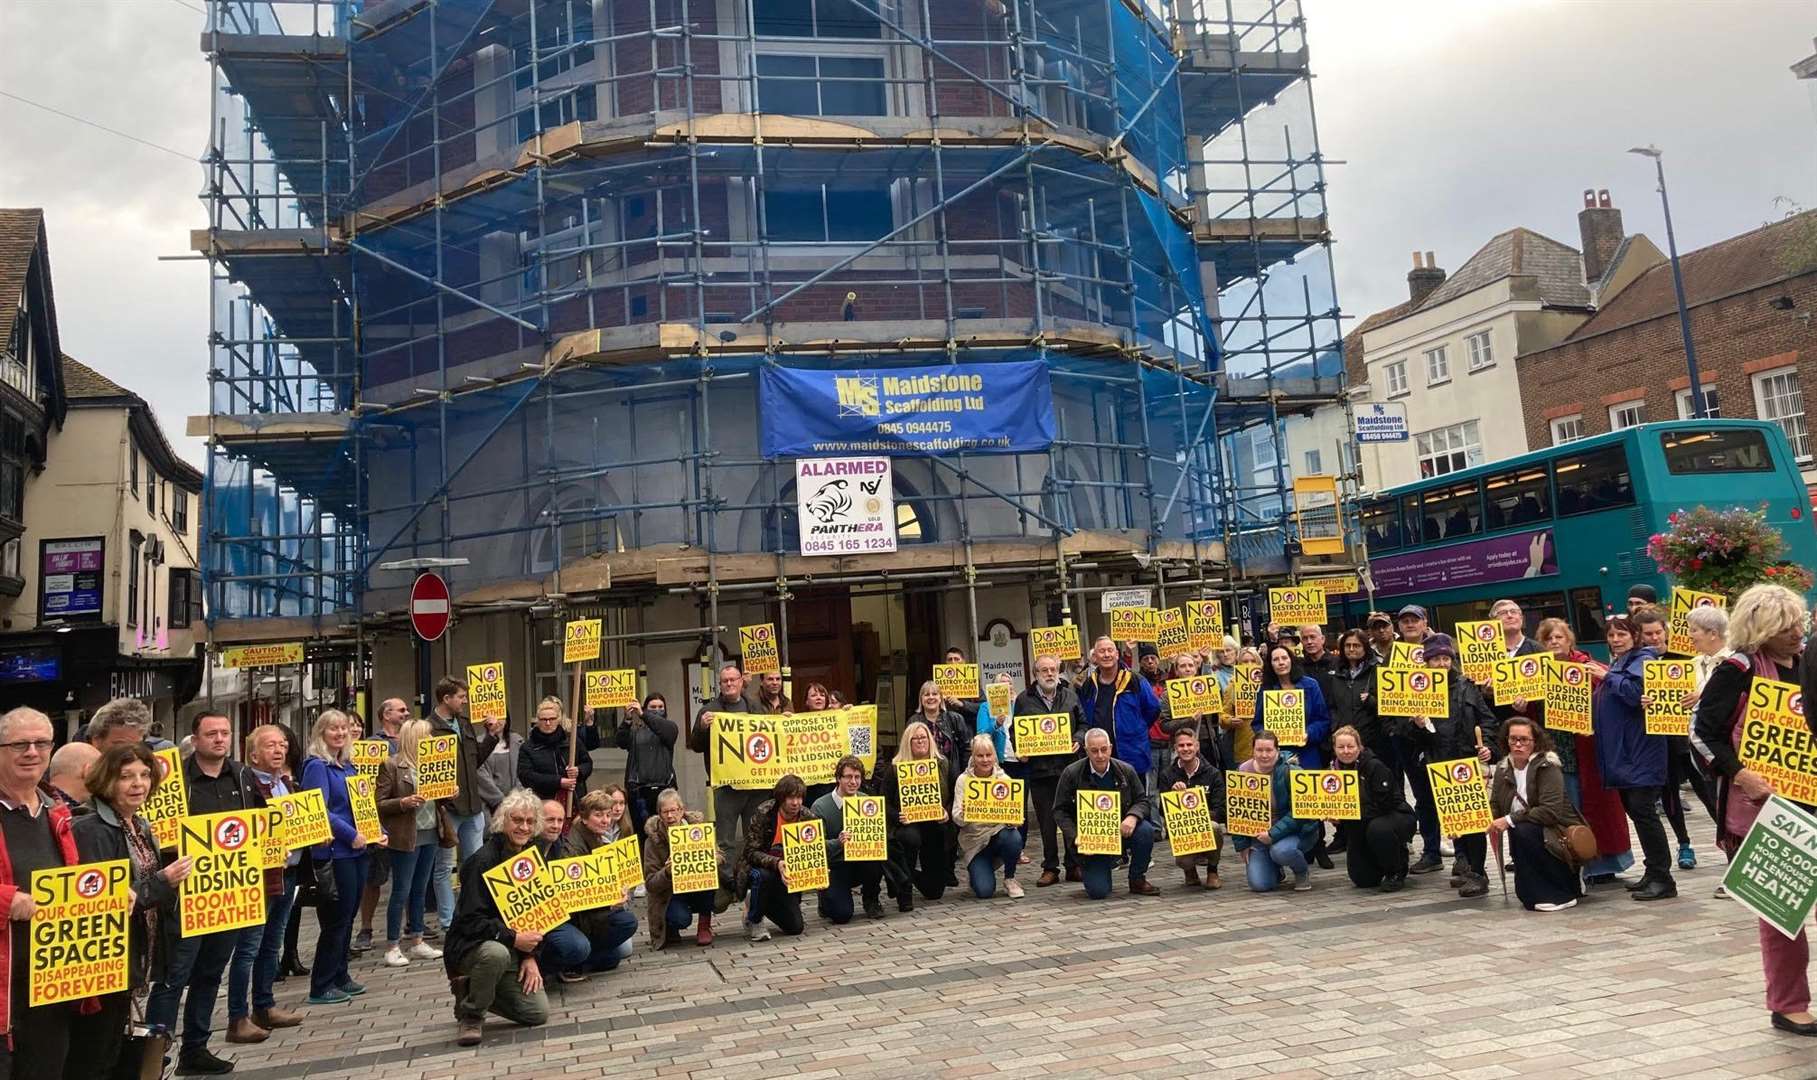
(255, 956)
(1004, 849)
(441, 880)
(835, 903)
(566, 948)
(1266, 861)
(770, 899)
(196, 965)
(1139, 845)
(328, 972)
(469, 832)
(410, 874)
(683, 908)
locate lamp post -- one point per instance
(1678, 282)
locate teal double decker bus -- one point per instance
(1564, 530)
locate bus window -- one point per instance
(1587, 615)
(1381, 525)
(1519, 497)
(1596, 480)
(1453, 511)
(1715, 450)
(1533, 606)
(1412, 534)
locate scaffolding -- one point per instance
(494, 281)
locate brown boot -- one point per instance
(1141, 887)
(1190, 876)
(243, 1030)
(470, 1034)
(275, 1018)
(1211, 880)
(1048, 877)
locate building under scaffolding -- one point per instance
(496, 283)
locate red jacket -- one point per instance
(66, 845)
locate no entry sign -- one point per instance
(429, 606)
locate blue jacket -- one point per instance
(331, 780)
(1318, 721)
(1625, 754)
(997, 727)
(1134, 709)
(1280, 791)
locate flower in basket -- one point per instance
(1724, 551)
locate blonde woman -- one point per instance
(543, 765)
(1236, 740)
(415, 828)
(984, 847)
(343, 859)
(919, 856)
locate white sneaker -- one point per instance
(1549, 908)
(394, 957)
(425, 951)
(1013, 888)
(1447, 849)
(757, 931)
(1721, 893)
(638, 893)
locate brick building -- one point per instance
(1751, 299)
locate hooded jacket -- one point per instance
(474, 746)
(1133, 709)
(1353, 702)
(650, 749)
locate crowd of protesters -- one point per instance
(1561, 804)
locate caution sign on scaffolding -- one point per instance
(757, 649)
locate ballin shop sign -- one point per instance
(845, 506)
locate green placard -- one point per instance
(1774, 873)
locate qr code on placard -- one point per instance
(860, 739)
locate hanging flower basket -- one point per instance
(1725, 551)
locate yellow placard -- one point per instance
(169, 802)
(580, 641)
(861, 735)
(1194, 695)
(1135, 624)
(629, 851)
(1245, 684)
(693, 858)
(1100, 823)
(1189, 826)
(1204, 626)
(957, 681)
(1284, 713)
(525, 893)
(804, 861)
(1042, 734)
(1775, 741)
(998, 696)
(268, 832)
(1326, 794)
(867, 830)
(1297, 605)
(1248, 803)
(587, 882)
(368, 755)
(1405, 654)
(305, 818)
(225, 889)
(1337, 584)
(992, 800)
(1668, 686)
(751, 751)
(1059, 642)
(438, 767)
(270, 654)
(1461, 796)
(486, 697)
(1678, 627)
(812, 743)
(1413, 692)
(79, 933)
(918, 790)
(1479, 646)
(1520, 678)
(610, 689)
(1568, 697)
(757, 650)
(1170, 634)
(362, 798)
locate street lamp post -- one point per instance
(1678, 282)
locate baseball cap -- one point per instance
(1441, 645)
(1378, 617)
(1411, 609)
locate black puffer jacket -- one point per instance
(543, 761)
(1382, 793)
(1352, 702)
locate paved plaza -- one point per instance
(1336, 982)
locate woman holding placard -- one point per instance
(1766, 631)
(1634, 762)
(1461, 734)
(1375, 845)
(1282, 672)
(415, 829)
(984, 846)
(1353, 701)
(761, 867)
(1527, 797)
(597, 939)
(670, 912)
(327, 769)
(1282, 849)
(1238, 735)
(543, 765)
(918, 851)
(1600, 806)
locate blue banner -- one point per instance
(1005, 408)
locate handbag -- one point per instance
(326, 893)
(1580, 845)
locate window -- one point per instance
(179, 510)
(1448, 449)
(1482, 355)
(184, 594)
(1397, 377)
(820, 85)
(579, 105)
(1715, 450)
(821, 214)
(1779, 398)
(1381, 523)
(814, 18)
(9, 558)
(1313, 463)
(151, 494)
(1518, 497)
(1712, 407)
(1438, 366)
(1627, 414)
(1594, 480)
(1587, 614)
(1451, 512)
(1567, 429)
(132, 580)
(132, 468)
(12, 489)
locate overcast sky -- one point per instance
(1455, 120)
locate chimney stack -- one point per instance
(1599, 224)
(1423, 278)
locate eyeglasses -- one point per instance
(23, 745)
(1519, 740)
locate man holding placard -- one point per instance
(491, 962)
(1112, 787)
(1189, 772)
(851, 817)
(1047, 726)
(731, 806)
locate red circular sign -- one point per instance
(429, 607)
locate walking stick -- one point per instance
(1501, 864)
